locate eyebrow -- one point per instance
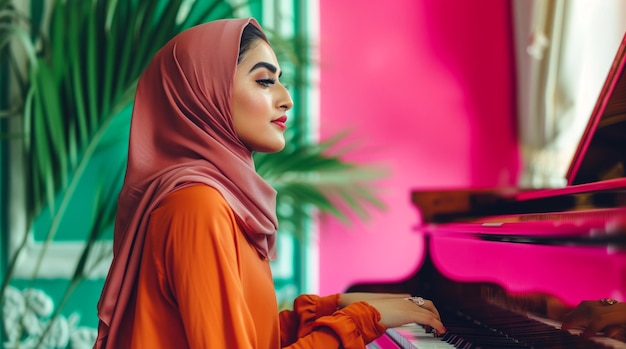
(267, 66)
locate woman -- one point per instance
(196, 226)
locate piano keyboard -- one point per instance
(415, 336)
(497, 329)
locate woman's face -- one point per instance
(259, 100)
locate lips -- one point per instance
(280, 122)
(281, 119)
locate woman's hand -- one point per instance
(595, 316)
(395, 310)
(346, 299)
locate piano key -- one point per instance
(383, 342)
(414, 336)
(497, 328)
(606, 341)
(529, 330)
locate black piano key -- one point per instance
(491, 327)
(465, 332)
(495, 327)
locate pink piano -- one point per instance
(502, 265)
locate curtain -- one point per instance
(564, 49)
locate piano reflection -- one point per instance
(503, 265)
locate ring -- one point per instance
(417, 300)
(608, 301)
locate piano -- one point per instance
(503, 265)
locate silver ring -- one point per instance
(608, 301)
(417, 300)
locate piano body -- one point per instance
(503, 265)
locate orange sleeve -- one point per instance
(200, 260)
(315, 322)
(299, 321)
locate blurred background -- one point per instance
(390, 97)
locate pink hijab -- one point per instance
(181, 134)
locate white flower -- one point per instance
(83, 338)
(13, 302)
(32, 324)
(28, 343)
(59, 334)
(12, 311)
(25, 316)
(39, 302)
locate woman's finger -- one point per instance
(431, 307)
(425, 304)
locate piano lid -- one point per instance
(601, 153)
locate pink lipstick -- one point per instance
(280, 122)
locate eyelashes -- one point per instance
(269, 82)
(266, 82)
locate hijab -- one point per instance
(182, 134)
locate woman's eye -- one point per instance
(266, 82)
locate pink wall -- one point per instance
(427, 87)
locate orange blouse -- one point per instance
(203, 285)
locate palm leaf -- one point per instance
(68, 114)
(84, 74)
(310, 175)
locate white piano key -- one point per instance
(414, 336)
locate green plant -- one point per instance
(83, 71)
(80, 75)
(316, 176)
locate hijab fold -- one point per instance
(182, 134)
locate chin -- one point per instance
(269, 147)
(275, 149)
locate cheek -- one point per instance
(250, 112)
(250, 104)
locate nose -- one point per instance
(284, 99)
